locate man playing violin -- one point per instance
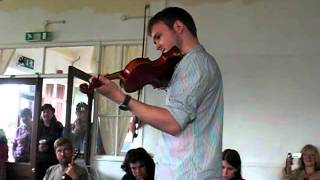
(190, 144)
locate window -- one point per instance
(113, 138)
(16, 97)
(58, 59)
(21, 61)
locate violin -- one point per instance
(74, 157)
(140, 72)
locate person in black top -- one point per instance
(138, 165)
(50, 129)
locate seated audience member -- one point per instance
(138, 165)
(309, 165)
(66, 169)
(21, 143)
(231, 165)
(50, 130)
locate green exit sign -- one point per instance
(38, 36)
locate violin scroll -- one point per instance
(89, 88)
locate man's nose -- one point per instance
(224, 172)
(158, 47)
(156, 43)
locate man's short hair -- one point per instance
(61, 142)
(170, 15)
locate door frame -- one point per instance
(27, 170)
(72, 73)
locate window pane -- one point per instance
(107, 129)
(113, 137)
(58, 59)
(15, 130)
(79, 118)
(54, 93)
(22, 61)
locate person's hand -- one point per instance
(132, 124)
(72, 172)
(107, 87)
(289, 161)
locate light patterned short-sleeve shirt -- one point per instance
(195, 99)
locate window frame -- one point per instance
(98, 45)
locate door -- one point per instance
(19, 112)
(78, 114)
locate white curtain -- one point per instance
(5, 56)
(112, 122)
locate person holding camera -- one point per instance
(309, 165)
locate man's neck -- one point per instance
(188, 43)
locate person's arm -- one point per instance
(157, 117)
(288, 168)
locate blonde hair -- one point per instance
(61, 142)
(313, 149)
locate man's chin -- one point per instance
(64, 162)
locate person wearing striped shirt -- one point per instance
(190, 144)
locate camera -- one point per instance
(294, 155)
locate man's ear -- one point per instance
(178, 26)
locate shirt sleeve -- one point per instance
(187, 90)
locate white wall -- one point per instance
(268, 54)
(81, 25)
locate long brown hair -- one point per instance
(313, 149)
(233, 158)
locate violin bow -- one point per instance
(144, 39)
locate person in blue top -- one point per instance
(190, 144)
(22, 141)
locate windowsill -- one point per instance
(109, 158)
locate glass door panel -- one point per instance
(19, 111)
(78, 113)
